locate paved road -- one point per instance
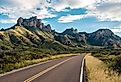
(59, 70)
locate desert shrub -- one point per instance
(117, 64)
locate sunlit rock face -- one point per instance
(33, 22)
(104, 37)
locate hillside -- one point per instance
(22, 35)
(32, 32)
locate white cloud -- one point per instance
(80, 3)
(27, 4)
(60, 5)
(116, 29)
(45, 14)
(8, 21)
(69, 18)
(25, 8)
(102, 9)
(106, 10)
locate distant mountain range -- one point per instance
(32, 32)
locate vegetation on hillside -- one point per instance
(111, 58)
(20, 56)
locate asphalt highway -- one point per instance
(65, 69)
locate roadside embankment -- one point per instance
(24, 63)
(97, 71)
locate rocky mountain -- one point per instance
(104, 37)
(32, 32)
(33, 22)
(71, 37)
(27, 32)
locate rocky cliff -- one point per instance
(33, 22)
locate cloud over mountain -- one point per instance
(106, 10)
(69, 18)
(25, 8)
(101, 9)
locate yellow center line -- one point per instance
(43, 72)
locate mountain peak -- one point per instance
(107, 32)
(102, 33)
(104, 37)
(33, 22)
(70, 31)
(104, 30)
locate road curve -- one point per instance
(59, 70)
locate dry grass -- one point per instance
(49, 58)
(34, 61)
(97, 71)
(24, 63)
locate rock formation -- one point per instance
(33, 22)
(20, 21)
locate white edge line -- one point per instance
(82, 69)
(20, 69)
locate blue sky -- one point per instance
(85, 15)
